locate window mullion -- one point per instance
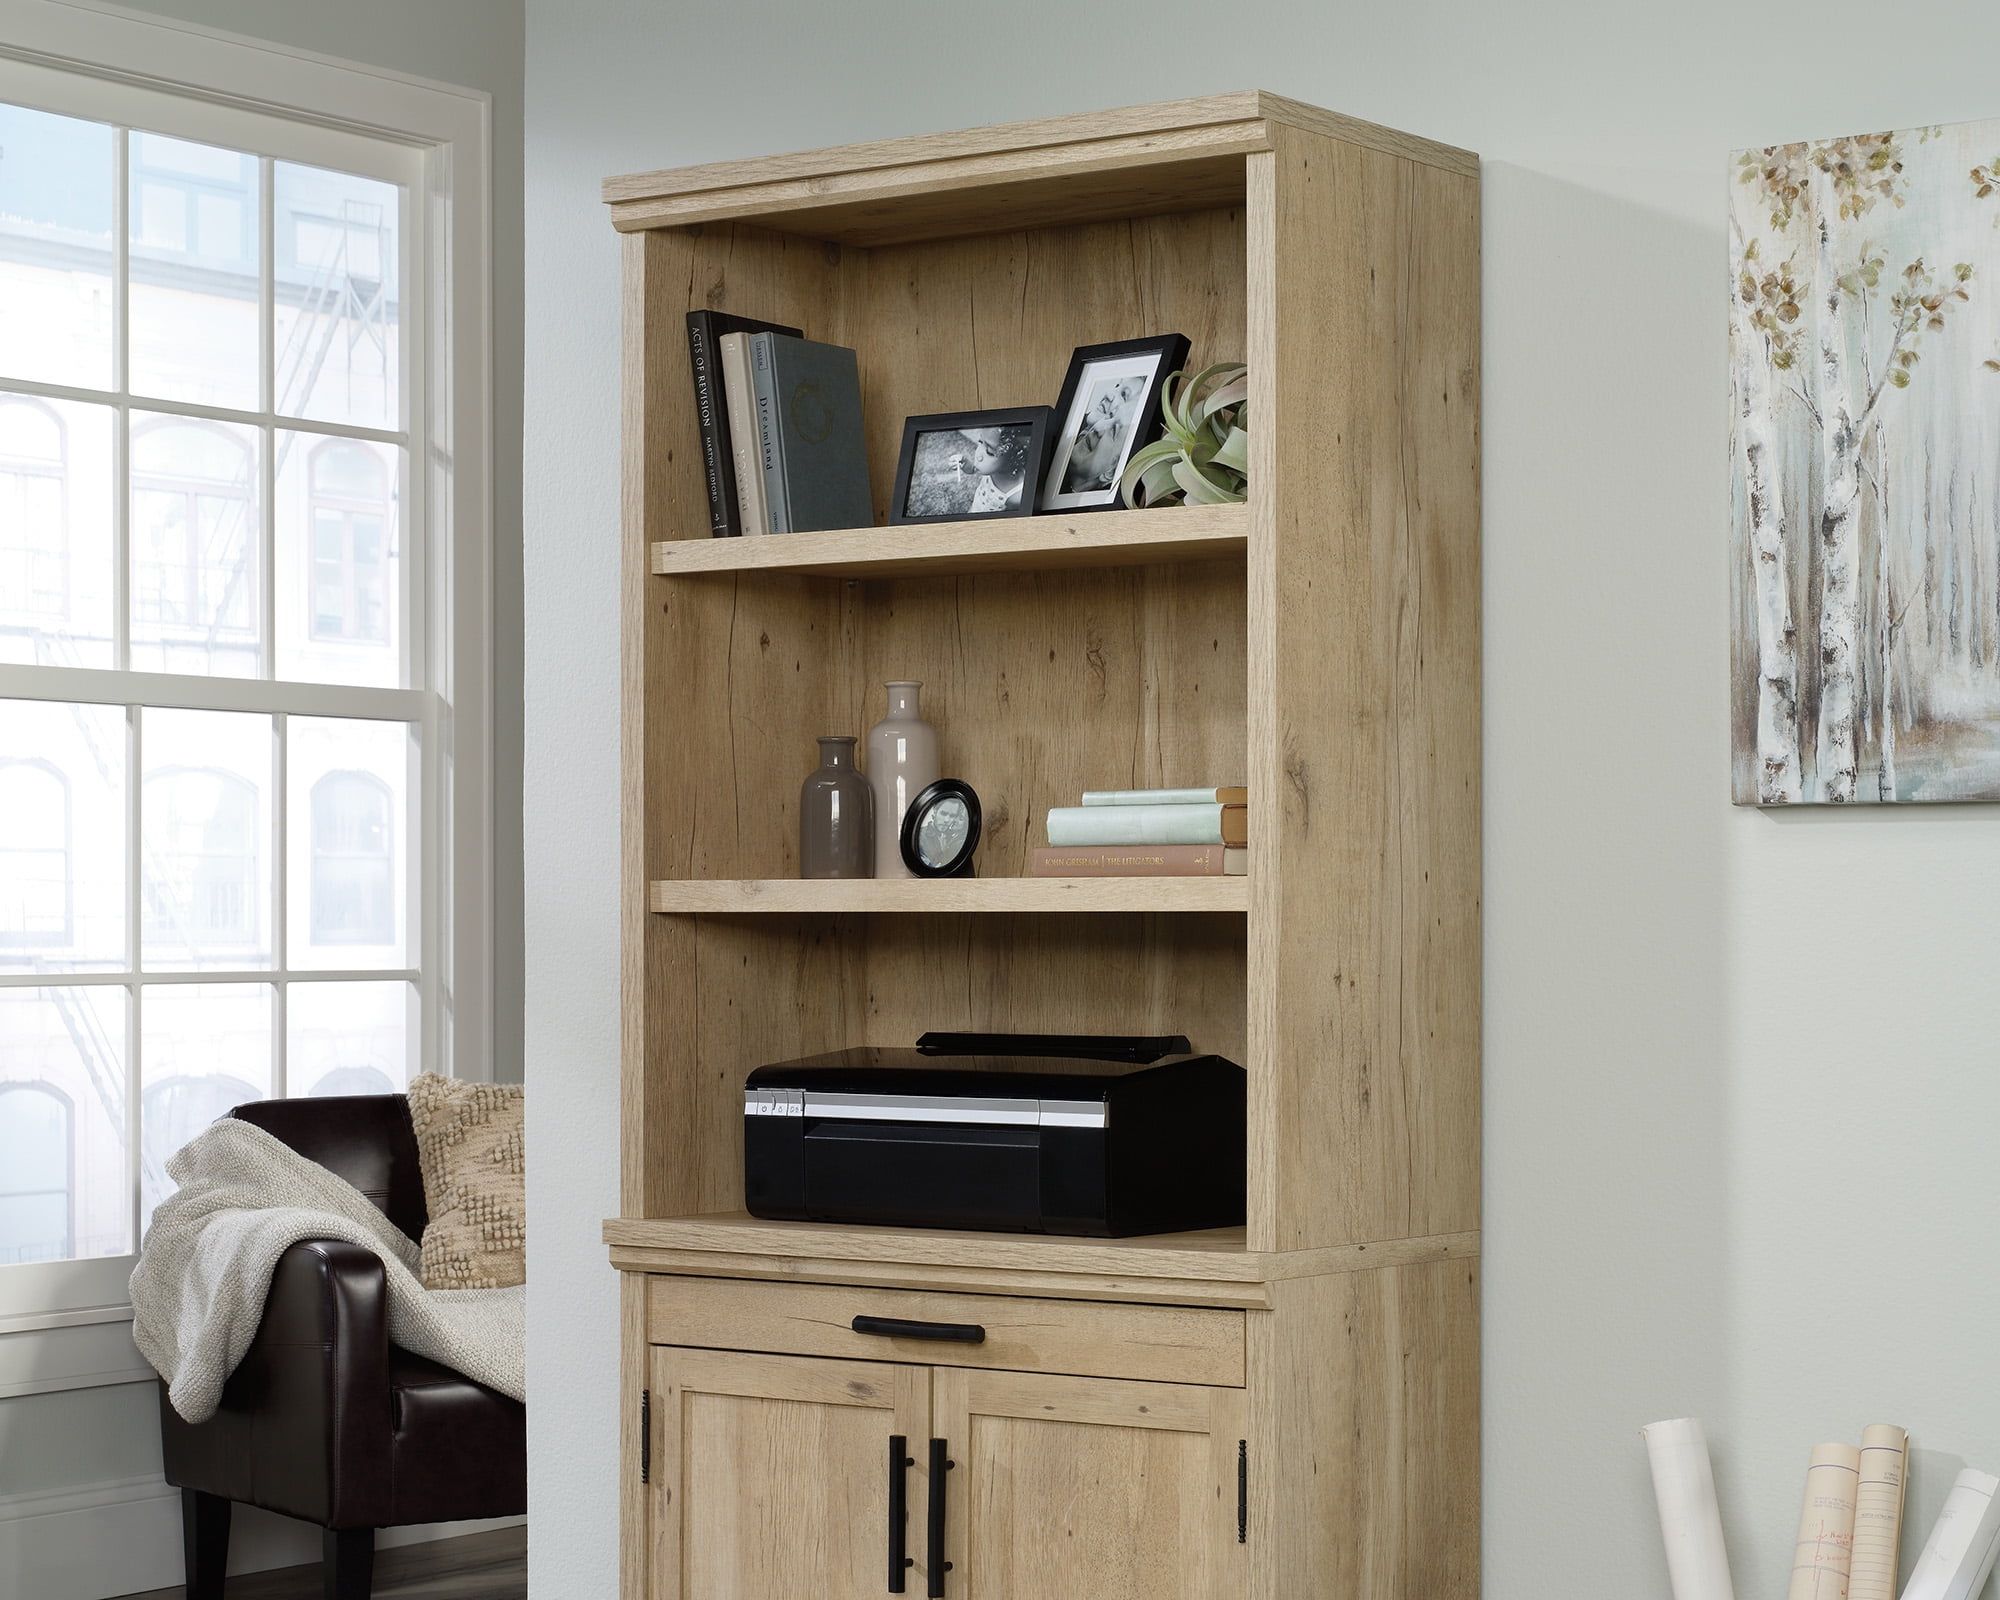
(121, 366)
(268, 403)
(135, 733)
(281, 874)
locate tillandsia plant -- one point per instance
(1203, 455)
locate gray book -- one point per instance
(817, 475)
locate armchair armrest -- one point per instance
(304, 1426)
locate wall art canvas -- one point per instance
(1865, 463)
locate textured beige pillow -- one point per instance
(469, 1145)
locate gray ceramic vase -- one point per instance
(836, 816)
(902, 762)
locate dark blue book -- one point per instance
(816, 460)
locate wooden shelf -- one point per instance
(1005, 544)
(1210, 1265)
(790, 896)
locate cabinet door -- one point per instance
(1066, 1487)
(771, 1475)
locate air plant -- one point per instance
(1203, 455)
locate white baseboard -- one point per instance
(120, 1538)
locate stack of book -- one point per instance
(780, 420)
(1147, 833)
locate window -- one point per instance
(35, 882)
(37, 1158)
(34, 543)
(202, 882)
(353, 875)
(194, 515)
(350, 520)
(243, 714)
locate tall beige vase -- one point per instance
(902, 761)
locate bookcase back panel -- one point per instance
(964, 324)
(1058, 974)
(1041, 685)
(753, 990)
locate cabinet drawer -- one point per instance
(1167, 1344)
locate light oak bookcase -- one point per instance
(1288, 1408)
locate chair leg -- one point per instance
(204, 1543)
(347, 1563)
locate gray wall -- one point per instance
(99, 1445)
(1709, 1032)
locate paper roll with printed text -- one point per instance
(1963, 1543)
(1878, 1512)
(1824, 1554)
(1684, 1485)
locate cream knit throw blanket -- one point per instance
(244, 1199)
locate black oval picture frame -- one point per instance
(960, 865)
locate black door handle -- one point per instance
(934, 1545)
(900, 1461)
(901, 1328)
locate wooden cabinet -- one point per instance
(1066, 1487)
(773, 1478)
(770, 1477)
(1319, 641)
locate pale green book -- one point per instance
(1226, 795)
(1168, 824)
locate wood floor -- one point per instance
(479, 1566)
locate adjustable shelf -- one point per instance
(1004, 544)
(751, 896)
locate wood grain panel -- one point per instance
(1364, 1417)
(1167, 1344)
(965, 323)
(1108, 973)
(984, 544)
(771, 1479)
(1066, 1487)
(1182, 1260)
(1363, 594)
(635, 1372)
(1122, 163)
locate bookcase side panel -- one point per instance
(971, 323)
(1364, 1424)
(1363, 665)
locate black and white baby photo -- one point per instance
(969, 472)
(1100, 445)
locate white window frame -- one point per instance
(80, 59)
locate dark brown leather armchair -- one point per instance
(325, 1419)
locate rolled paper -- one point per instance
(1684, 1485)
(1824, 1553)
(1959, 1554)
(1878, 1512)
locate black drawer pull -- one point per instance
(900, 1461)
(901, 1328)
(934, 1544)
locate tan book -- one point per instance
(1137, 861)
(739, 398)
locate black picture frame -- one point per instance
(960, 865)
(1039, 420)
(1168, 353)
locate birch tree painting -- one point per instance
(1865, 456)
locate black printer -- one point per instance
(1026, 1133)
